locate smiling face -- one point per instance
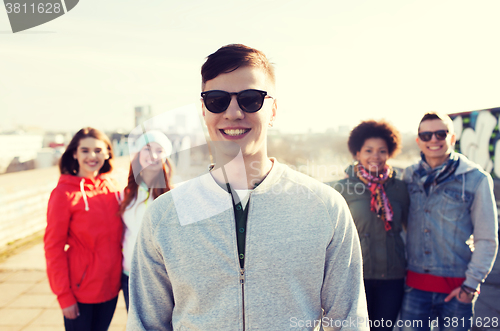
(151, 157)
(435, 151)
(248, 130)
(91, 154)
(373, 155)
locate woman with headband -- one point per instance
(149, 176)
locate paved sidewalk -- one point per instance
(26, 301)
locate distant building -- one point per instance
(343, 129)
(330, 131)
(142, 114)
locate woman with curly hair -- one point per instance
(149, 176)
(379, 206)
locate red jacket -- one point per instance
(83, 214)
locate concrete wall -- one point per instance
(23, 202)
(478, 137)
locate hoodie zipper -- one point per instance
(242, 270)
(242, 282)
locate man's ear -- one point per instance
(453, 139)
(274, 109)
(202, 108)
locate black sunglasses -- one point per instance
(250, 101)
(427, 135)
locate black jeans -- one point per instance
(125, 289)
(384, 299)
(93, 316)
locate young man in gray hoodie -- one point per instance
(252, 244)
(450, 200)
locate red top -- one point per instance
(83, 214)
(431, 283)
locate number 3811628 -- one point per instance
(41, 8)
(484, 322)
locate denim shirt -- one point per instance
(440, 224)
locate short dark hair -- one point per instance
(438, 116)
(374, 129)
(231, 57)
(68, 164)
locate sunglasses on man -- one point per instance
(427, 135)
(250, 101)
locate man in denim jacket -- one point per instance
(450, 200)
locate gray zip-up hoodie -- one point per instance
(303, 268)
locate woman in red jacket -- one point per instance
(84, 233)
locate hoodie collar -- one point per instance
(465, 165)
(82, 183)
(272, 177)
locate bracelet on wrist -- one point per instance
(468, 290)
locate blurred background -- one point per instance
(116, 65)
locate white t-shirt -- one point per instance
(244, 195)
(132, 219)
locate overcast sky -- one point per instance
(338, 62)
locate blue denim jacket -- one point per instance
(440, 224)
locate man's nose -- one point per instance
(234, 111)
(434, 138)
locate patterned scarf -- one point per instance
(379, 203)
(439, 174)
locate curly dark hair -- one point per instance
(375, 129)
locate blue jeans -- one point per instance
(422, 310)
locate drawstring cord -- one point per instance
(82, 189)
(116, 192)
